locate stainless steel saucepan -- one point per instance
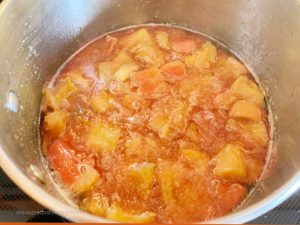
(37, 36)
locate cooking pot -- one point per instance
(37, 36)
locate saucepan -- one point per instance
(37, 36)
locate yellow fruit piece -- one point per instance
(56, 96)
(158, 121)
(230, 163)
(151, 144)
(103, 136)
(85, 180)
(162, 39)
(193, 132)
(243, 109)
(248, 90)
(188, 196)
(123, 58)
(136, 38)
(124, 72)
(133, 101)
(64, 89)
(78, 79)
(147, 54)
(142, 175)
(199, 158)
(178, 116)
(118, 214)
(236, 67)
(95, 204)
(106, 70)
(259, 132)
(194, 154)
(254, 132)
(159, 124)
(134, 143)
(187, 144)
(101, 102)
(165, 131)
(203, 58)
(49, 98)
(190, 87)
(141, 45)
(225, 100)
(56, 122)
(166, 179)
(210, 52)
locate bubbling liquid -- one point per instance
(155, 124)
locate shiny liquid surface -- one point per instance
(155, 124)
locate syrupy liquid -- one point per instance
(155, 124)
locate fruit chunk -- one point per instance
(134, 102)
(64, 89)
(248, 90)
(136, 38)
(236, 67)
(193, 132)
(95, 204)
(101, 102)
(151, 148)
(143, 48)
(194, 154)
(166, 179)
(254, 133)
(159, 124)
(147, 54)
(123, 58)
(78, 79)
(245, 110)
(153, 90)
(61, 158)
(56, 97)
(49, 99)
(122, 64)
(230, 163)
(124, 72)
(142, 175)
(259, 132)
(151, 75)
(185, 46)
(174, 71)
(118, 214)
(162, 39)
(150, 83)
(103, 136)
(106, 70)
(178, 116)
(86, 180)
(225, 100)
(199, 158)
(55, 122)
(134, 143)
(203, 58)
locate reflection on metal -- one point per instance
(12, 101)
